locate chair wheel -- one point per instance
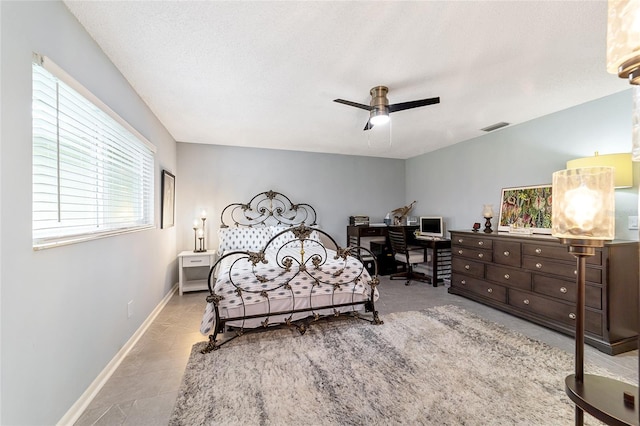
(407, 283)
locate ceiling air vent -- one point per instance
(495, 126)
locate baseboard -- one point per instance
(85, 399)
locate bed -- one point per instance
(276, 268)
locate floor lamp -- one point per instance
(623, 59)
(583, 218)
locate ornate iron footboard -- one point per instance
(275, 272)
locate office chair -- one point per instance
(406, 254)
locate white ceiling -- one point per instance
(264, 74)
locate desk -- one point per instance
(374, 236)
(363, 236)
(440, 264)
(382, 252)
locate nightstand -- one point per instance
(193, 270)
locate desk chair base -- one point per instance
(410, 275)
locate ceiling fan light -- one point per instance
(379, 117)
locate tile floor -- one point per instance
(143, 389)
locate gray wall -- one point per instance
(337, 186)
(64, 310)
(456, 181)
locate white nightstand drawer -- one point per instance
(192, 261)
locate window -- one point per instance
(92, 172)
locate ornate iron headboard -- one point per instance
(265, 209)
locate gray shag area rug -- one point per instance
(441, 366)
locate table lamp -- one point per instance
(487, 213)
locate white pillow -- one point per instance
(252, 239)
(282, 239)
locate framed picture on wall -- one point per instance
(526, 207)
(168, 207)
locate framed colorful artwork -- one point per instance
(526, 207)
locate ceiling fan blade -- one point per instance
(353, 104)
(413, 104)
(368, 126)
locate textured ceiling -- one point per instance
(264, 74)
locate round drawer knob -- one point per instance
(460, 240)
(538, 250)
(463, 282)
(480, 255)
(575, 272)
(563, 289)
(480, 243)
(459, 251)
(467, 267)
(526, 301)
(506, 276)
(572, 315)
(506, 253)
(490, 290)
(539, 265)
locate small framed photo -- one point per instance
(168, 207)
(527, 207)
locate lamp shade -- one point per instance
(635, 121)
(583, 204)
(623, 34)
(623, 54)
(623, 173)
(487, 210)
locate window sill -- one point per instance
(74, 239)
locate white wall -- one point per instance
(64, 310)
(456, 181)
(337, 186)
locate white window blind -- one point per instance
(93, 174)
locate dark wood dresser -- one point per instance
(534, 277)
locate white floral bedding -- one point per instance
(332, 282)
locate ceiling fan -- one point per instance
(379, 108)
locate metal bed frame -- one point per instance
(273, 208)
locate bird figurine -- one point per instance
(400, 213)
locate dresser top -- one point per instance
(531, 237)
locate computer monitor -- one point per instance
(431, 226)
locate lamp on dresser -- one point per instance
(583, 218)
(487, 213)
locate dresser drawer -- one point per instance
(566, 290)
(191, 261)
(480, 287)
(555, 310)
(567, 270)
(557, 252)
(467, 267)
(472, 241)
(473, 253)
(516, 278)
(507, 253)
